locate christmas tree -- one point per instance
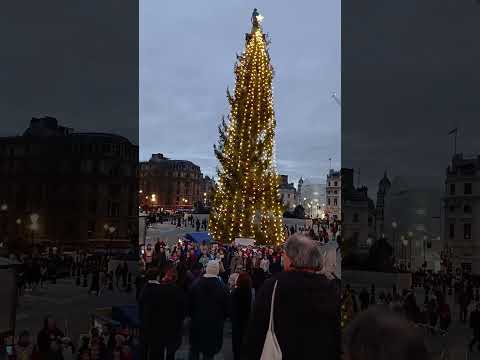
(247, 199)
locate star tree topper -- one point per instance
(257, 18)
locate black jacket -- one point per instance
(475, 322)
(306, 317)
(241, 306)
(208, 307)
(162, 310)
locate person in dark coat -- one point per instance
(241, 305)
(306, 307)
(364, 299)
(475, 326)
(208, 308)
(49, 334)
(162, 307)
(95, 285)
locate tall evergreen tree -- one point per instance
(247, 200)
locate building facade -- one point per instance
(462, 212)
(357, 214)
(67, 187)
(312, 198)
(173, 185)
(333, 206)
(288, 193)
(412, 221)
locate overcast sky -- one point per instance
(187, 55)
(76, 61)
(410, 74)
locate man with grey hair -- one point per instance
(300, 252)
(306, 312)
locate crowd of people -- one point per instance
(194, 289)
(445, 297)
(94, 272)
(51, 343)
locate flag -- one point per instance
(454, 131)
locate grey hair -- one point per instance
(303, 252)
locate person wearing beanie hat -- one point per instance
(212, 269)
(209, 304)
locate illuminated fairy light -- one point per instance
(247, 201)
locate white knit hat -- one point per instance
(213, 268)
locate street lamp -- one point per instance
(4, 208)
(111, 229)
(394, 233)
(369, 241)
(34, 225)
(425, 238)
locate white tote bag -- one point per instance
(271, 349)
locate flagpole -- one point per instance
(455, 144)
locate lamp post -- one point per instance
(111, 229)
(33, 226)
(425, 237)
(394, 238)
(404, 246)
(369, 241)
(3, 209)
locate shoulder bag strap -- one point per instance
(272, 306)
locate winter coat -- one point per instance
(241, 305)
(306, 317)
(162, 309)
(208, 308)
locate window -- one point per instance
(467, 188)
(328, 201)
(355, 217)
(451, 208)
(114, 209)
(329, 183)
(467, 231)
(452, 231)
(420, 211)
(91, 229)
(335, 183)
(467, 209)
(335, 192)
(335, 202)
(452, 189)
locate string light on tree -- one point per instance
(247, 201)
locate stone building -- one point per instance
(172, 184)
(462, 212)
(358, 214)
(333, 206)
(288, 193)
(411, 220)
(67, 187)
